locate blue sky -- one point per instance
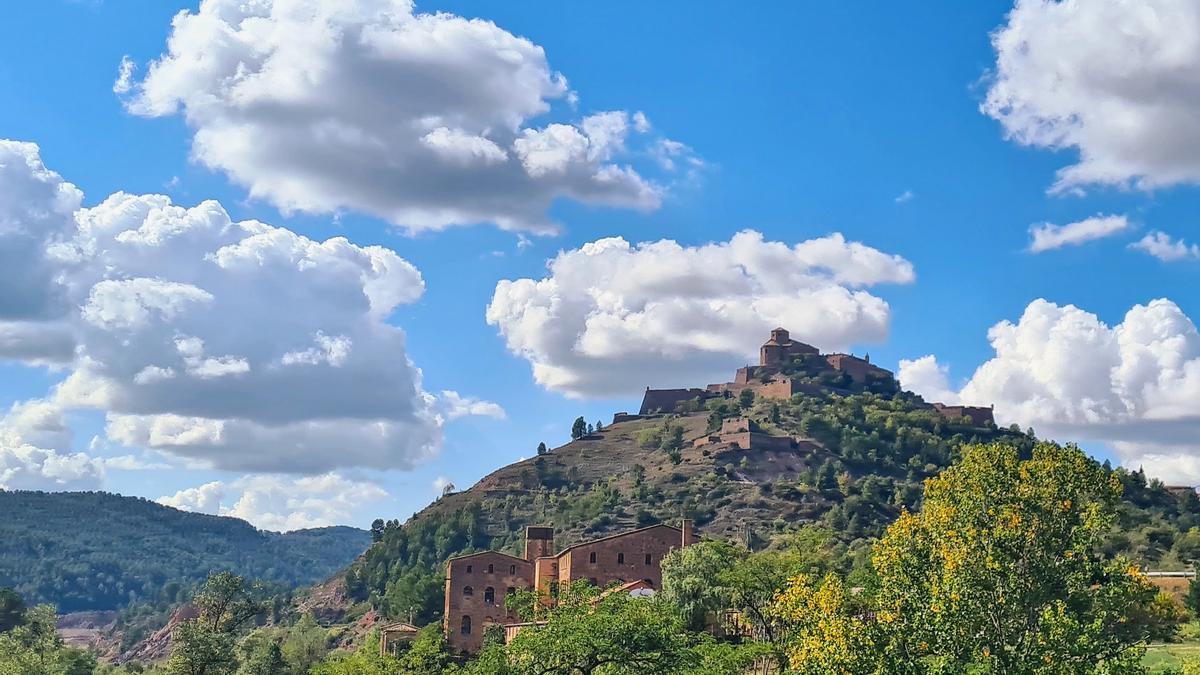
(801, 120)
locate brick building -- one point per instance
(979, 415)
(478, 583)
(780, 348)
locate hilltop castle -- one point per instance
(777, 377)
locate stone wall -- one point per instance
(665, 400)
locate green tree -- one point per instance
(305, 645)
(1192, 599)
(692, 581)
(34, 647)
(12, 610)
(542, 449)
(377, 526)
(746, 398)
(579, 428)
(260, 654)
(205, 645)
(588, 633)
(1001, 572)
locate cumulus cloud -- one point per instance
(35, 451)
(611, 317)
(36, 212)
(927, 377)
(1048, 236)
(425, 120)
(150, 301)
(1166, 248)
(281, 503)
(1134, 385)
(1116, 81)
(456, 406)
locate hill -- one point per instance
(844, 456)
(100, 551)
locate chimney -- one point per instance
(539, 542)
(686, 526)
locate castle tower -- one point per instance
(539, 542)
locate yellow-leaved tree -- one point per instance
(1000, 572)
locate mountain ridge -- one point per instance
(104, 551)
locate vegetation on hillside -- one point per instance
(98, 551)
(870, 455)
(1004, 568)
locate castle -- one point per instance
(765, 379)
(477, 584)
(769, 380)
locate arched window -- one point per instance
(466, 625)
(491, 568)
(489, 595)
(512, 569)
(592, 557)
(647, 558)
(468, 591)
(620, 558)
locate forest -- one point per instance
(100, 551)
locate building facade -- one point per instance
(477, 584)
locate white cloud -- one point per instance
(35, 452)
(927, 377)
(611, 318)
(141, 298)
(281, 503)
(1048, 236)
(203, 499)
(1116, 80)
(36, 208)
(1166, 248)
(440, 484)
(456, 406)
(1134, 385)
(904, 197)
(124, 81)
(425, 120)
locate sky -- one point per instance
(308, 263)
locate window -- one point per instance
(554, 589)
(512, 569)
(620, 558)
(592, 557)
(491, 568)
(647, 558)
(510, 591)
(649, 582)
(466, 625)
(489, 595)
(468, 569)
(468, 591)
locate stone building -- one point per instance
(979, 415)
(478, 583)
(780, 348)
(766, 379)
(859, 370)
